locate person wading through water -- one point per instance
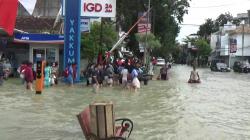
(194, 76)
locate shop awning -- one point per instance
(39, 38)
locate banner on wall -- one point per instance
(96, 8)
(233, 45)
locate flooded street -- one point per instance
(218, 108)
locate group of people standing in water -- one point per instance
(28, 74)
(124, 73)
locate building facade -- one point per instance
(220, 42)
(28, 41)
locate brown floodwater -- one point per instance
(218, 108)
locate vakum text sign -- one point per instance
(96, 8)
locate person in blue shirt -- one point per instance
(47, 76)
(70, 75)
(135, 73)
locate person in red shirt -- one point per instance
(154, 61)
(21, 71)
(74, 66)
(28, 76)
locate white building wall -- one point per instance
(224, 45)
(246, 49)
(224, 50)
(213, 41)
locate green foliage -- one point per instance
(204, 48)
(152, 41)
(189, 39)
(223, 19)
(207, 29)
(91, 43)
(166, 16)
(211, 26)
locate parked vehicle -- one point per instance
(7, 68)
(222, 67)
(160, 62)
(240, 67)
(219, 65)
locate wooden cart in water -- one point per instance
(121, 129)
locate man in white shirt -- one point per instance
(194, 76)
(124, 74)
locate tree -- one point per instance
(152, 41)
(204, 48)
(204, 51)
(90, 43)
(222, 19)
(166, 26)
(210, 26)
(190, 39)
(166, 16)
(206, 29)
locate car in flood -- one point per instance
(219, 65)
(240, 67)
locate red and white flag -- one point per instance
(8, 13)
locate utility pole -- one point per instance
(243, 37)
(146, 41)
(229, 52)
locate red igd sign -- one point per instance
(96, 8)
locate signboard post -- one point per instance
(73, 11)
(72, 35)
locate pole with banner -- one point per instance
(72, 35)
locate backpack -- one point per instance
(66, 72)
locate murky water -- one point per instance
(219, 108)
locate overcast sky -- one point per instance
(200, 10)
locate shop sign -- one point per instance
(96, 8)
(72, 35)
(85, 25)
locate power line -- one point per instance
(190, 24)
(221, 5)
(214, 6)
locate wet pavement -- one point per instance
(218, 108)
